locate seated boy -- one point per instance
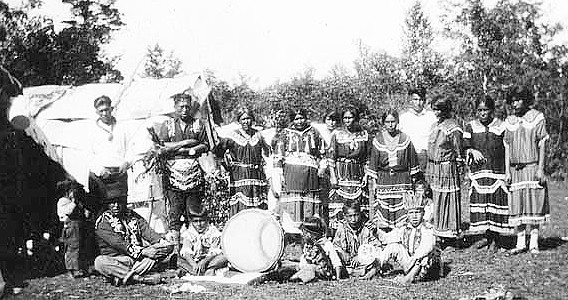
(352, 232)
(200, 252)
(319, 258)
(412, 246)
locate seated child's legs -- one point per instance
(396, 253)
(218, 262)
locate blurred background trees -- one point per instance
(494, 48)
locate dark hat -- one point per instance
(313, 225)
(201, 213)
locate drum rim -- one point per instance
(281, 238)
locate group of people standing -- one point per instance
(324, 181)
(314, 172)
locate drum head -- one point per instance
(253, 241)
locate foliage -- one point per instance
(508, 45)
(158, 65)
(38, 55)
(420, 62)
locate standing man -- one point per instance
(184, 139)
(417, 123)
(109, 155)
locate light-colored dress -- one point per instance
(529, 198)
(444, 156)
(392, 163)
(488, 194)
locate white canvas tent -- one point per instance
(61, 117)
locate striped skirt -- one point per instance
(529, 199)
(446, 196)
(390, 191)
(489, 204)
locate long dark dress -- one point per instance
(248, 184)
(297, 155)
(347, 156)
(392, 163)
(444, 156)
(488, 194)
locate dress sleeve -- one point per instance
(467, 134)
(540, 130)
(332, 150)
(456, 137)
(372, 168)
(412, 159)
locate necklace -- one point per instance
(110, 135)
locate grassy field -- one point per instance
(469, 272)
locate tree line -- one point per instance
(497, 47)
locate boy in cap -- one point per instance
(201, 246)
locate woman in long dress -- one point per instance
(488, 195)
(525, 143)
(347, 155)
(392, 165)
(445, 162)
(297, 155)
(244, 149)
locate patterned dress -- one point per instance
(444, 158)
(297, 156)
(529, 198)
(488, 194)
(347, 156)
(392, 164)
(248, 185)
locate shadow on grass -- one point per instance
(550, 243)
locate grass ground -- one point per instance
(469, 272)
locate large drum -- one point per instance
(253, 241)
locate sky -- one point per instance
(264, 40)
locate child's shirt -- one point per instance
(419, 241)
(198, 246)
(348, 240)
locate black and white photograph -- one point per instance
(258, 149)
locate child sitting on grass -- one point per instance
(319, 258)
(412, 246)
(200, 252)
(352, 232)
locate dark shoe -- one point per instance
(516, 251)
